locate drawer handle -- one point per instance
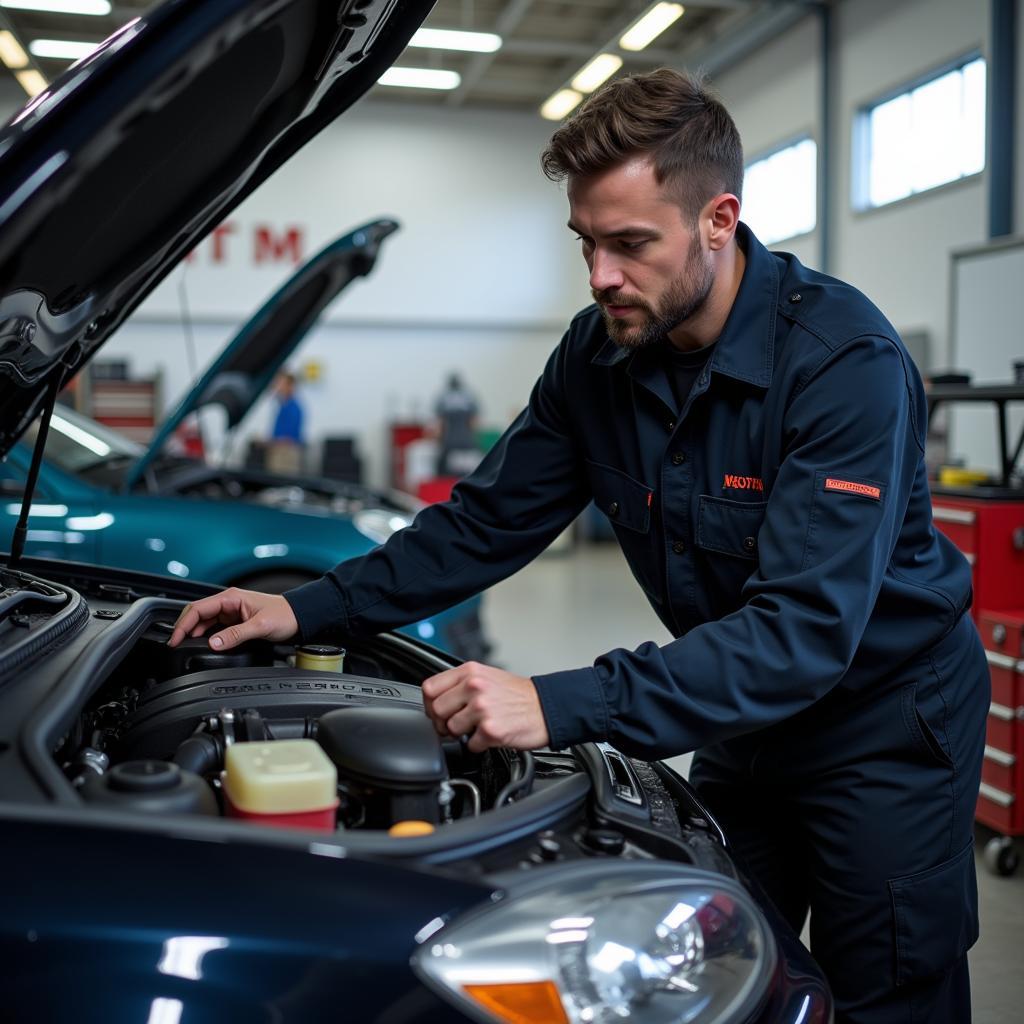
(1000, 711)
(953, 515)
(997, 796)
(1000, 756)
(1002, 660)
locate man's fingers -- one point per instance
(448, 703)
(238, 634)
(203, 613)
(442, 682)
(463, 721)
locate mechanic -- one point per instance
(755, 432)
(456, 410)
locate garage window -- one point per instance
(780, 192)
(929, 133)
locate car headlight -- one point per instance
(377, 524)
(597, 943)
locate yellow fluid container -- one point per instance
(291, 783)
(319, 658)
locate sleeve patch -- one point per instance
(851, 487)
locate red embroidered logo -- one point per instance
(831, 484)
(743, 483)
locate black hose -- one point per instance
(522, 783)
(200, 753)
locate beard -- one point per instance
(684, 297)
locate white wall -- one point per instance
(773, 97)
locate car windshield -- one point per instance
(78, 444)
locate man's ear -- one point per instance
(720, 217)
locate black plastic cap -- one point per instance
(396, 748)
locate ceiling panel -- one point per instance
(545, 42)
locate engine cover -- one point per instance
(168, 712)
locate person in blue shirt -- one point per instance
(754, 432)
(284, 453)
(288, 420)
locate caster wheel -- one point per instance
(1001, 858)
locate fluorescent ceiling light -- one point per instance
(11, 52)
(60, 6)
(61, 49)
(557, 106)
(31, 81)
(591, 75)
(420, 78)
(647, 28)
(446, 39)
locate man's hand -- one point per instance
(495, 708)
(247, 614)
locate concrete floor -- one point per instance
(565, 609)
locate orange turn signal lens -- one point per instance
(527, 1002)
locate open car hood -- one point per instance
(120, 168)
(249, 362)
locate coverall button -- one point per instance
(678, 458)
(749, 543)
(795, 297)
(613, 508)
(678, 547)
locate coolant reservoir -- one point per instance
(319, 658)
(287, 783)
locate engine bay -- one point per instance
(109, 727)
(160, 736)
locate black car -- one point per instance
(272, 833)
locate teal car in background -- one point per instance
(104, 499)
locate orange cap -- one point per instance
(402, 829)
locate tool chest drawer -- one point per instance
(1001, 802)
(959, 523)
(1003, 632)
(990, 535)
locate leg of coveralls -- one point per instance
(868, 806)
(888, 801)
(765, 838)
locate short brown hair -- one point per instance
(670, 115)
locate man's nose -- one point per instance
(604, 272)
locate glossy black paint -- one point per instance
(109, 911)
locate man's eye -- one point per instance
(634, 246)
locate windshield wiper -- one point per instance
(21, 529)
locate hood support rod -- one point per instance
(21, 530)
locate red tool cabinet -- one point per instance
(990, 533)
(987, 525)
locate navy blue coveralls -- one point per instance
(780, 525)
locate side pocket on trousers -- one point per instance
(935, 917)
(922, 734)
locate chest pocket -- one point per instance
(625, 501)
(729, 527)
